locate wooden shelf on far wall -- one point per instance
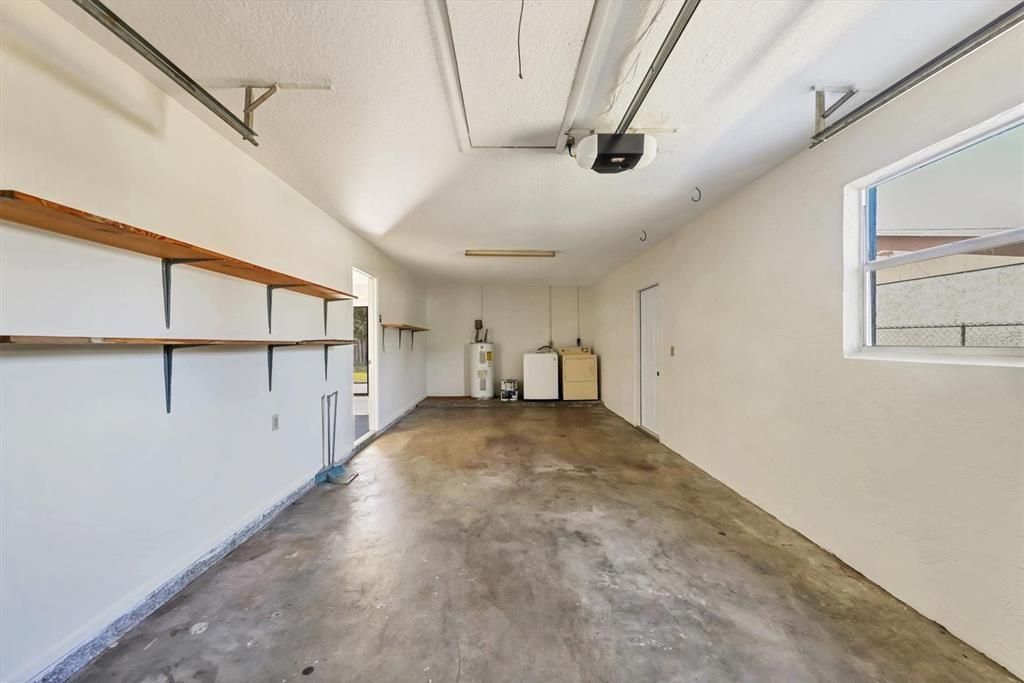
(35, 212)
(169, 345)
(403, 327)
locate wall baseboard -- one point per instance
(74, 661)
(402, 413)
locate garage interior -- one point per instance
(511, 340)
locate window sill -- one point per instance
(1009, 357)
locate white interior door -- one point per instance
(649, 359)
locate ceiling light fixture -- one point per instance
(511, 252)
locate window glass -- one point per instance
(970, 299)
(976, 191)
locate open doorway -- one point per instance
(364, 381)
(649, 360)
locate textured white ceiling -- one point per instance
(502, 109)
(381, 151)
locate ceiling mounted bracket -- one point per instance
(268, 88)
(252, 104)
(995, 28)
(822, 110)
(113, 23)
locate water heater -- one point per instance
(480, 369)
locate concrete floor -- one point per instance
(361, 414)
(541, 544)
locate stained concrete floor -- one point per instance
(545, 544)
(361, 414)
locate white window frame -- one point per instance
(856, 302)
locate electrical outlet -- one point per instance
(275, 422)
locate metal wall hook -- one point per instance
(699, 196)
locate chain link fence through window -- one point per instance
(1006, 334)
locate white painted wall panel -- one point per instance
(104, 496)
(912, 473)
(518, 320)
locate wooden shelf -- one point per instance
(169, 345)
(26, 209)
(38, 340)
(402, 327)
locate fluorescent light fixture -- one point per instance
(511, 252)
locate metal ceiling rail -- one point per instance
(986, 33)
(667, 45)
(101, 13)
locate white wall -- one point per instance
(518, 319)
(104, 496)
(911, 473)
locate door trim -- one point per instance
(638, 360)
(373, 332)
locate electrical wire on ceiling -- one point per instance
(551, 336)
(631, 71)
(577, 315)
(519, 38)
(550, 346)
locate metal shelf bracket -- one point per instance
(270, 303)
(327, 347)
(327, 301)
(169, 369)
(270, 364)
(165, 272)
